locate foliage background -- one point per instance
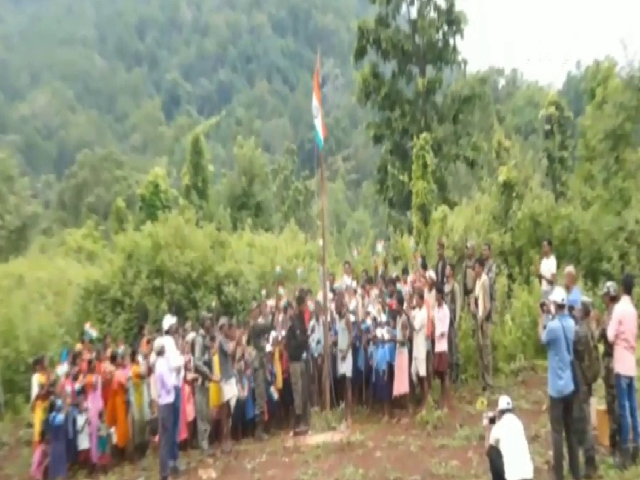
(159, 155)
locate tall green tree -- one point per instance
(195, 175)
(155, 196)
(406, 50)
(423, 188)
(558, 134)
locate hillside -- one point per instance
(136, 76)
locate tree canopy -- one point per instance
(159, 155)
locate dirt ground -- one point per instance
(443, 445)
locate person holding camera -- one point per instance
(557, 333)
(506, 444)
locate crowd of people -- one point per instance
(195, 384)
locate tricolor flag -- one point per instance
(316, 107)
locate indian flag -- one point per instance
(316, 107)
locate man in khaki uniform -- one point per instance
(481, 309)
(468, 281)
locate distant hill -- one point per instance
(136, 75)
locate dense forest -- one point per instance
(159, 155)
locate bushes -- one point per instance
(39, 296)
(168, 265)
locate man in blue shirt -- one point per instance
(557, 332)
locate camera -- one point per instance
(489, 418)
(543, 306)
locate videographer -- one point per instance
(506, 444)
(557, 333)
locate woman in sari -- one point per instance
(95, 405)
(215, 391)
(57, 434)
(117, 405)
(106, 370)
(39, 398)
(187, 406)
(139, 402)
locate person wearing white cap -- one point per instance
(506, 444)
(557, 334)
(164, 379)
(176, 364)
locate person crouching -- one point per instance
(506, 444)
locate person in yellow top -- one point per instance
(215, 391)
(39, 398)
(277, 364)
(140, 400)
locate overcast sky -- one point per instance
(545, 38)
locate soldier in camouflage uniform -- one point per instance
(203, 366)
(468, 280)
(258, 337)
(582, 408)
(610, 297)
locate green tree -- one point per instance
(248, 190)
(406, 50)
(91, 186)
(558, 134)
(120, 219)
(423, 188)
(155, 196)
(195, 175)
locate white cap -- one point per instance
(269, 348)
(504, 403)
(168, 321)
(190, 337)
(158, 344)
(431, 275)
(558, 296)
(570, 270)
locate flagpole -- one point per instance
(326, 380)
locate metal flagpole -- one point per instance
(325, 297)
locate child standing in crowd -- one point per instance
(401, 377)
(382, 393)
(82, 427)
(104, 443)
(249, 402)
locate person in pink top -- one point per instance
(441, 317)
(622, 332)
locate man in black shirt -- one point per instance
(258, 337)
(441, 264)
(296, 342)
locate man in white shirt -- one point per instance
(176, 364)
(548, 269)
(419, 344)
(506, 444)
